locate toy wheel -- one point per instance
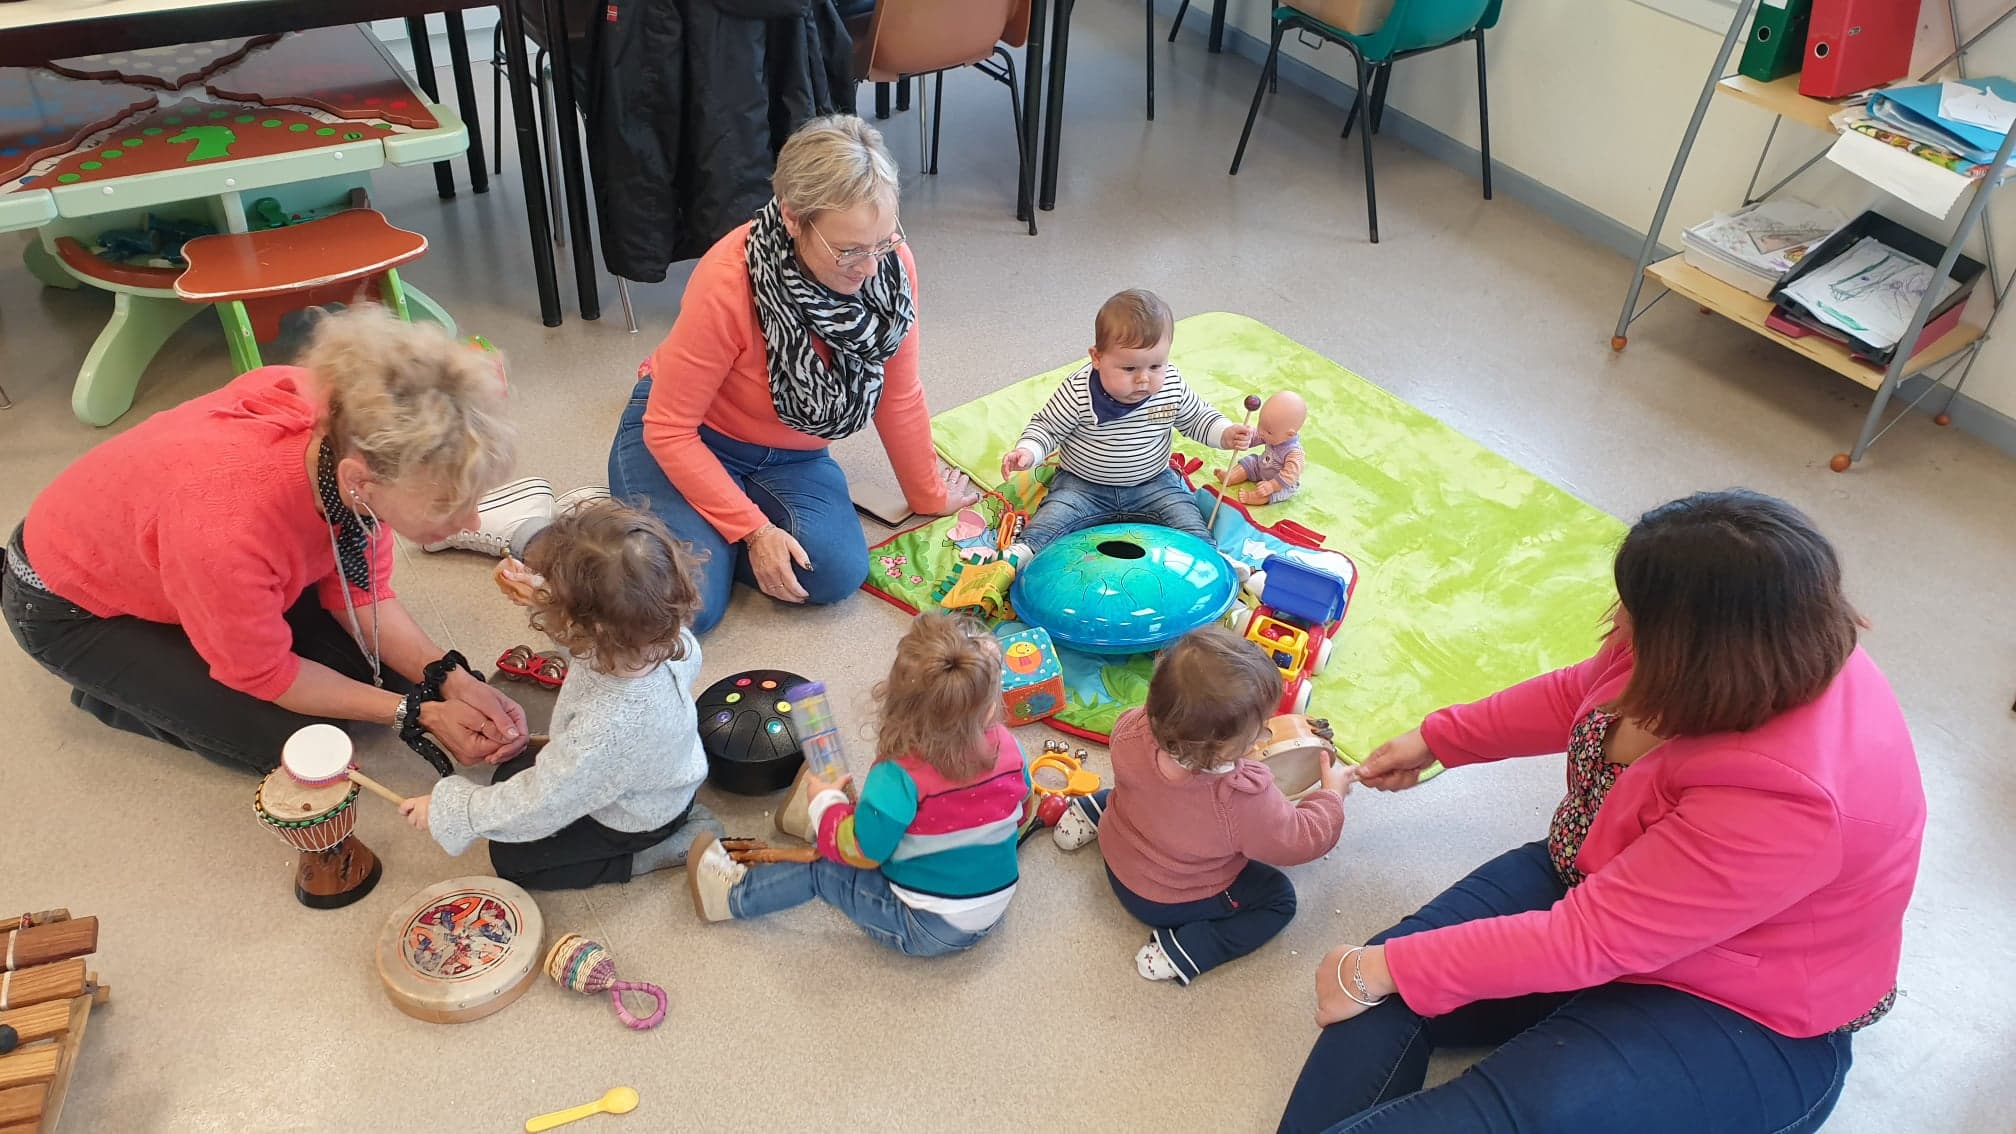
(1322, 658)
(1302, 694)
(1239, 619)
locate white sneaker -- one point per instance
(710, 875)
(499, 516)
(568, 499)
(1016, 555)
(1076, 829)
(1153, 964)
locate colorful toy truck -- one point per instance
(1295, 619)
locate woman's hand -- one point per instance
(1397, 764)
(506, 717)
(959, 489)
(415, 810)
(463, 730)
(772, 551)
(1333, 1003)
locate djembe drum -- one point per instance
(460, 950)
(334, 869)
(1295, 750)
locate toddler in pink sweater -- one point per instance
(1192, 830)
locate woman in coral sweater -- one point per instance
(796, 330)
(219, 575)
(1719, 903)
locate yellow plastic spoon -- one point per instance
(617, 1100)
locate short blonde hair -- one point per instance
(1134, 319)
(833, 163)
(942, 695)
(415, 405)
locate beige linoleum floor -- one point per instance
(235, 1009)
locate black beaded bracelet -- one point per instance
(415, 736)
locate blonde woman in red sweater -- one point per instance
(219, 575)
(796, 330)
(1718, 905)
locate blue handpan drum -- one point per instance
(1123, 588)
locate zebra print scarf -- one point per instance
(830, 400)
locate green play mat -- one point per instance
(1472, 572)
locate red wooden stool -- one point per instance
(254, 278)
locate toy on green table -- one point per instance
(1295, 623)
(1123, 588)
(162, 240)
(1032, 677)
(819, 735)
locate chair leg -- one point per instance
(1358, 98)
(937, 116)
(1178, 25)
(497, 98)
(549, 142)
(1365, 137)
(465, 98)
(629, 312)
(1148, 7)
(902, 95)
(1259, 92)
(1024, 185)
(1381, 76)
(6, 403)
(881, 100)
(1484, 115)
(392, 294)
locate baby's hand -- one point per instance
(415, 810)
(1016, 460)
(1337, 776)
(517, 581)
(1239, 437)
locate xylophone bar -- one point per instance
(59, 981)
(40, 944)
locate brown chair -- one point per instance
(911, 38)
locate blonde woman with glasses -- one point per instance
(796, 330)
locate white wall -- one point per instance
(1590, 98)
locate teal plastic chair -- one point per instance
(1414, 27)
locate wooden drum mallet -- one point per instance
(1252, 407)
(309, 801)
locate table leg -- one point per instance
(465, 99)
(518, 69)
(423, 70)
(1053, 122)
(1032, 113)
(587, 282)
(1217, 26)
(111, 371)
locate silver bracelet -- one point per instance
(1363, 997)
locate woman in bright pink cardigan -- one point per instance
(1719, 903)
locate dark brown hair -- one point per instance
(1133, 319)
(942, 695)
(1733, 604)
(617, 587)
(1212, 693)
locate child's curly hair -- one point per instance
(942, 695)
(616, 587)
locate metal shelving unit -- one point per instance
(1952, 355)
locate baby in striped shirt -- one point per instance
(1110, 425)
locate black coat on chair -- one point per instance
(688, 103)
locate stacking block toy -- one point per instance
(1032, 677)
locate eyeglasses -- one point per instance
(854, 256)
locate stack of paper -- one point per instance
(1754, 247)
(1926, 144)
(1869, 292)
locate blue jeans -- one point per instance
(863, 895)
(1201, 935)
(1634, 1057)
(802, 491)
(1073, 503)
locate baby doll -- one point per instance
(1275, 472)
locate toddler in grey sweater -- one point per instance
(611, 794)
